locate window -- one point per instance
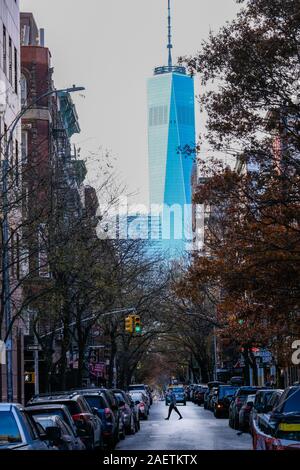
(4, 40)
(158, 116)
(5, 137)
(23, 91)
(10, 61)
(9, 431)
(96, 402)
(18, 256)
(12, 254)
(43, 258)
(16, 64)
(291, 402)
(24, 147)
(185, 115)
(30, 425)
(17, 173)
(24, 262)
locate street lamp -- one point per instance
(5, 235)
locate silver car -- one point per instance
(18, 431)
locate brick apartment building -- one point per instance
(9, 110)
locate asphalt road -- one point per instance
(198, 430)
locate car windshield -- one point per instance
(42, 413)
(44, 421)
(177, 390)
(119, 397)
(292, 403)
(227, 391)
(136, 396)
(96, 401)
(9, 431)
(246, 391)
(72, 406)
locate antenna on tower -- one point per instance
(170, 47)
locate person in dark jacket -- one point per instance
(172, 406)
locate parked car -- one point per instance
(62, 436)
(207, 394)
(88, 423)
(261, 402)
(135, 411)
(124, 405)
(179, 393)
(212, 398)
(205, 399)
(114, 406)
(237, 402)
(199, 394)
(244, 414)
(140, 399)
(274, 399)
(279, 429)
(222, 401)
(142, 387)
(61, 411)
(18, 430)
(98, 401)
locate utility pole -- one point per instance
(215, 355)
(36, 364)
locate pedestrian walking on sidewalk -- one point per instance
(172, 397)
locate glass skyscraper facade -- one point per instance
(171, 131)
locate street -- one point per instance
(198, 430)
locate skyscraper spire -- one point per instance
(169, 35)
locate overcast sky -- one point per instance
(111, 48)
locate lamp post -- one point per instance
(5, 233)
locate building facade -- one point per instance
(171, 142)
(11, 373)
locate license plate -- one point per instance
(289, 427)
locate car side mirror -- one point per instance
(250, 403)
(121, 403)
(53, 433)
(137, 402)
(95, 411)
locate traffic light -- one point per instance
(137, 324)
(129, 324)
(29, 377)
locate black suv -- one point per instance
(99, 401)
(88, 423)
(223, 398)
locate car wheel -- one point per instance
(91, 443)
(111, 444)
(132, 428)
(230, 422)
(123, 434)
(236, 424)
